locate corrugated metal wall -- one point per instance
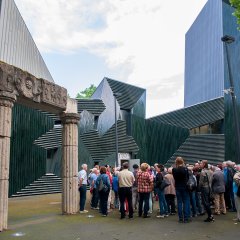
(157, 141)
(27, 161)
(16, 44)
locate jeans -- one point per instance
(206, 201)
(103, 197)
(125, 193)
(143, 197)
(170, 199)
(199, 203)
(94, 202)
(183, 203)
(193, 202)
(135, 197)
(116, 198)
(83, 196)
(162, 202)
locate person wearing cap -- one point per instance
(126, 180)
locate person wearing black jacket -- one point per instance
(160, 192)
(181, 176)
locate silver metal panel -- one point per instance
(17, 46)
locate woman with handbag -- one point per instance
(158, 184)
(103, 186)
(180, 174)
(205, 183)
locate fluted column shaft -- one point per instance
(6, 103)
(70, 203)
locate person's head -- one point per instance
(94, 170)
(237, 167)
(108, 168)
(125, 165)
(97, 167)
(204, 164)
(144, 167)
(103, 170)
(229, 163)
(179, 162)
(135, 167)
(84, 167)
(159, 168)
(170, 170)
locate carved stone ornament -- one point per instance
(69, 118)
(24, 85)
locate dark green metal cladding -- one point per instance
(194, 116)
(27, 161)
(101, 147)
(94, 106)
(157, 141)
(129, 93)
(51, 139)
(209, 147)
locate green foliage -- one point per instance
(236, 4)
(87, 93)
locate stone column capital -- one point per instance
(70, 118)
(7, 99)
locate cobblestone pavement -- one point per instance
(40, 218)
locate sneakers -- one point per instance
(209, 219)
(160, 216)
(84, 211)
(104, 215)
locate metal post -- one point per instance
(233, 97)
(116, 132)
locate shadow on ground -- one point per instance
(39, 217)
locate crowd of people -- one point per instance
(186, 190)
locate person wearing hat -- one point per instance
(126, 180)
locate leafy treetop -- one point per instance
(236, 4)
(87, 93)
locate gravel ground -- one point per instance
(40, 217)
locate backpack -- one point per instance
(102, 187)
(165, 183)
(191, 183)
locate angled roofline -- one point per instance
(184, 108)
(106, 78)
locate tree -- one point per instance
(87, 93)
(236, 4)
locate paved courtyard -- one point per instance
(40, 217)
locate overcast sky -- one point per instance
(140, 42)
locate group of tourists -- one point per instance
(196, 189)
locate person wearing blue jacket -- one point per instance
(115, 189)
(103, 179)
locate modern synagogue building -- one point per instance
(206, 69)
(195, 132)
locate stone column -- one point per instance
(6, 103)
(70, 204)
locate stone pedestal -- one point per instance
(70, 204)
(6, 103)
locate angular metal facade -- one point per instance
(17, 46)
(204, 64)
(230, 28)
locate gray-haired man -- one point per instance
(82, 183)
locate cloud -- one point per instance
(144, 37)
